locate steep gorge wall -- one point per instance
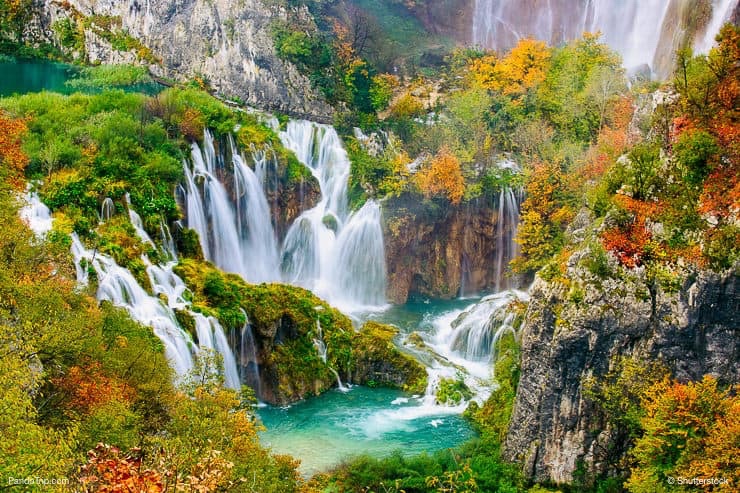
(440, 251)
(566, 338)
(227, 42)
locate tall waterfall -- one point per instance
(235, 229)
(638, 29)
(507, 221)
(337, 254)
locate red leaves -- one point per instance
(108, 472)
(630, 242)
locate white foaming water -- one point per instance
(107, 209)
(338, 255)
(464, 343)
(36, 215)
(136, 222)
(118, 285)
(721, 13)
(637, 29)
(507, 223)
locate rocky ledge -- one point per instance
(224, 42)
(580, 324)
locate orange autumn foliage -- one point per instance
(11, 153)
(629, 242)
(443, 176)
(108, 471)
(691, 430)
(89, 388)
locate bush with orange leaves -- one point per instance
(691, 430)
(87, 388)
(109, 471)
(442, 176)
(11, 153)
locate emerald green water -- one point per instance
(28, 76)
(324, 431)
(23, 76)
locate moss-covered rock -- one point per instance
(452, 391)
(378, 361)
(285, 322)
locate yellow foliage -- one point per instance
(522, 69)
(443, 176)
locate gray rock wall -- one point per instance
(693, 332)
(228, 42)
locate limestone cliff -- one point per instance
(443, 251)
(226, 42)
(577, 325)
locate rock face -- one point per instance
(442, 251)
(573, 332)
(448, 17)
(226, 42)
(376, 360)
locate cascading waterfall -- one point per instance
(107, 209)
(474, 333)
(118, 285)
(467, 339)
(337, 254)
(136, 222)
(236, 232)
(637, 29)
(721, 13)
(36, 215)
(507, 222)
(249, 371)
(253, 222)
(321, 348)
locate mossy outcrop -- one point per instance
(287, 326)
(378, 361)
(284, 321)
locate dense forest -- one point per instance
(621, 182)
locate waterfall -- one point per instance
(236, 231)
(36, 215)
(211, 336)
(465, 342)
(137, 224)
(474, 333)
(249, 366)
(360, 256)
(507, 222)
(721, 13)
(321, 348)
(107, 209)
(118, 285)
(337, 254)
(637, 29)
(253, 221)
